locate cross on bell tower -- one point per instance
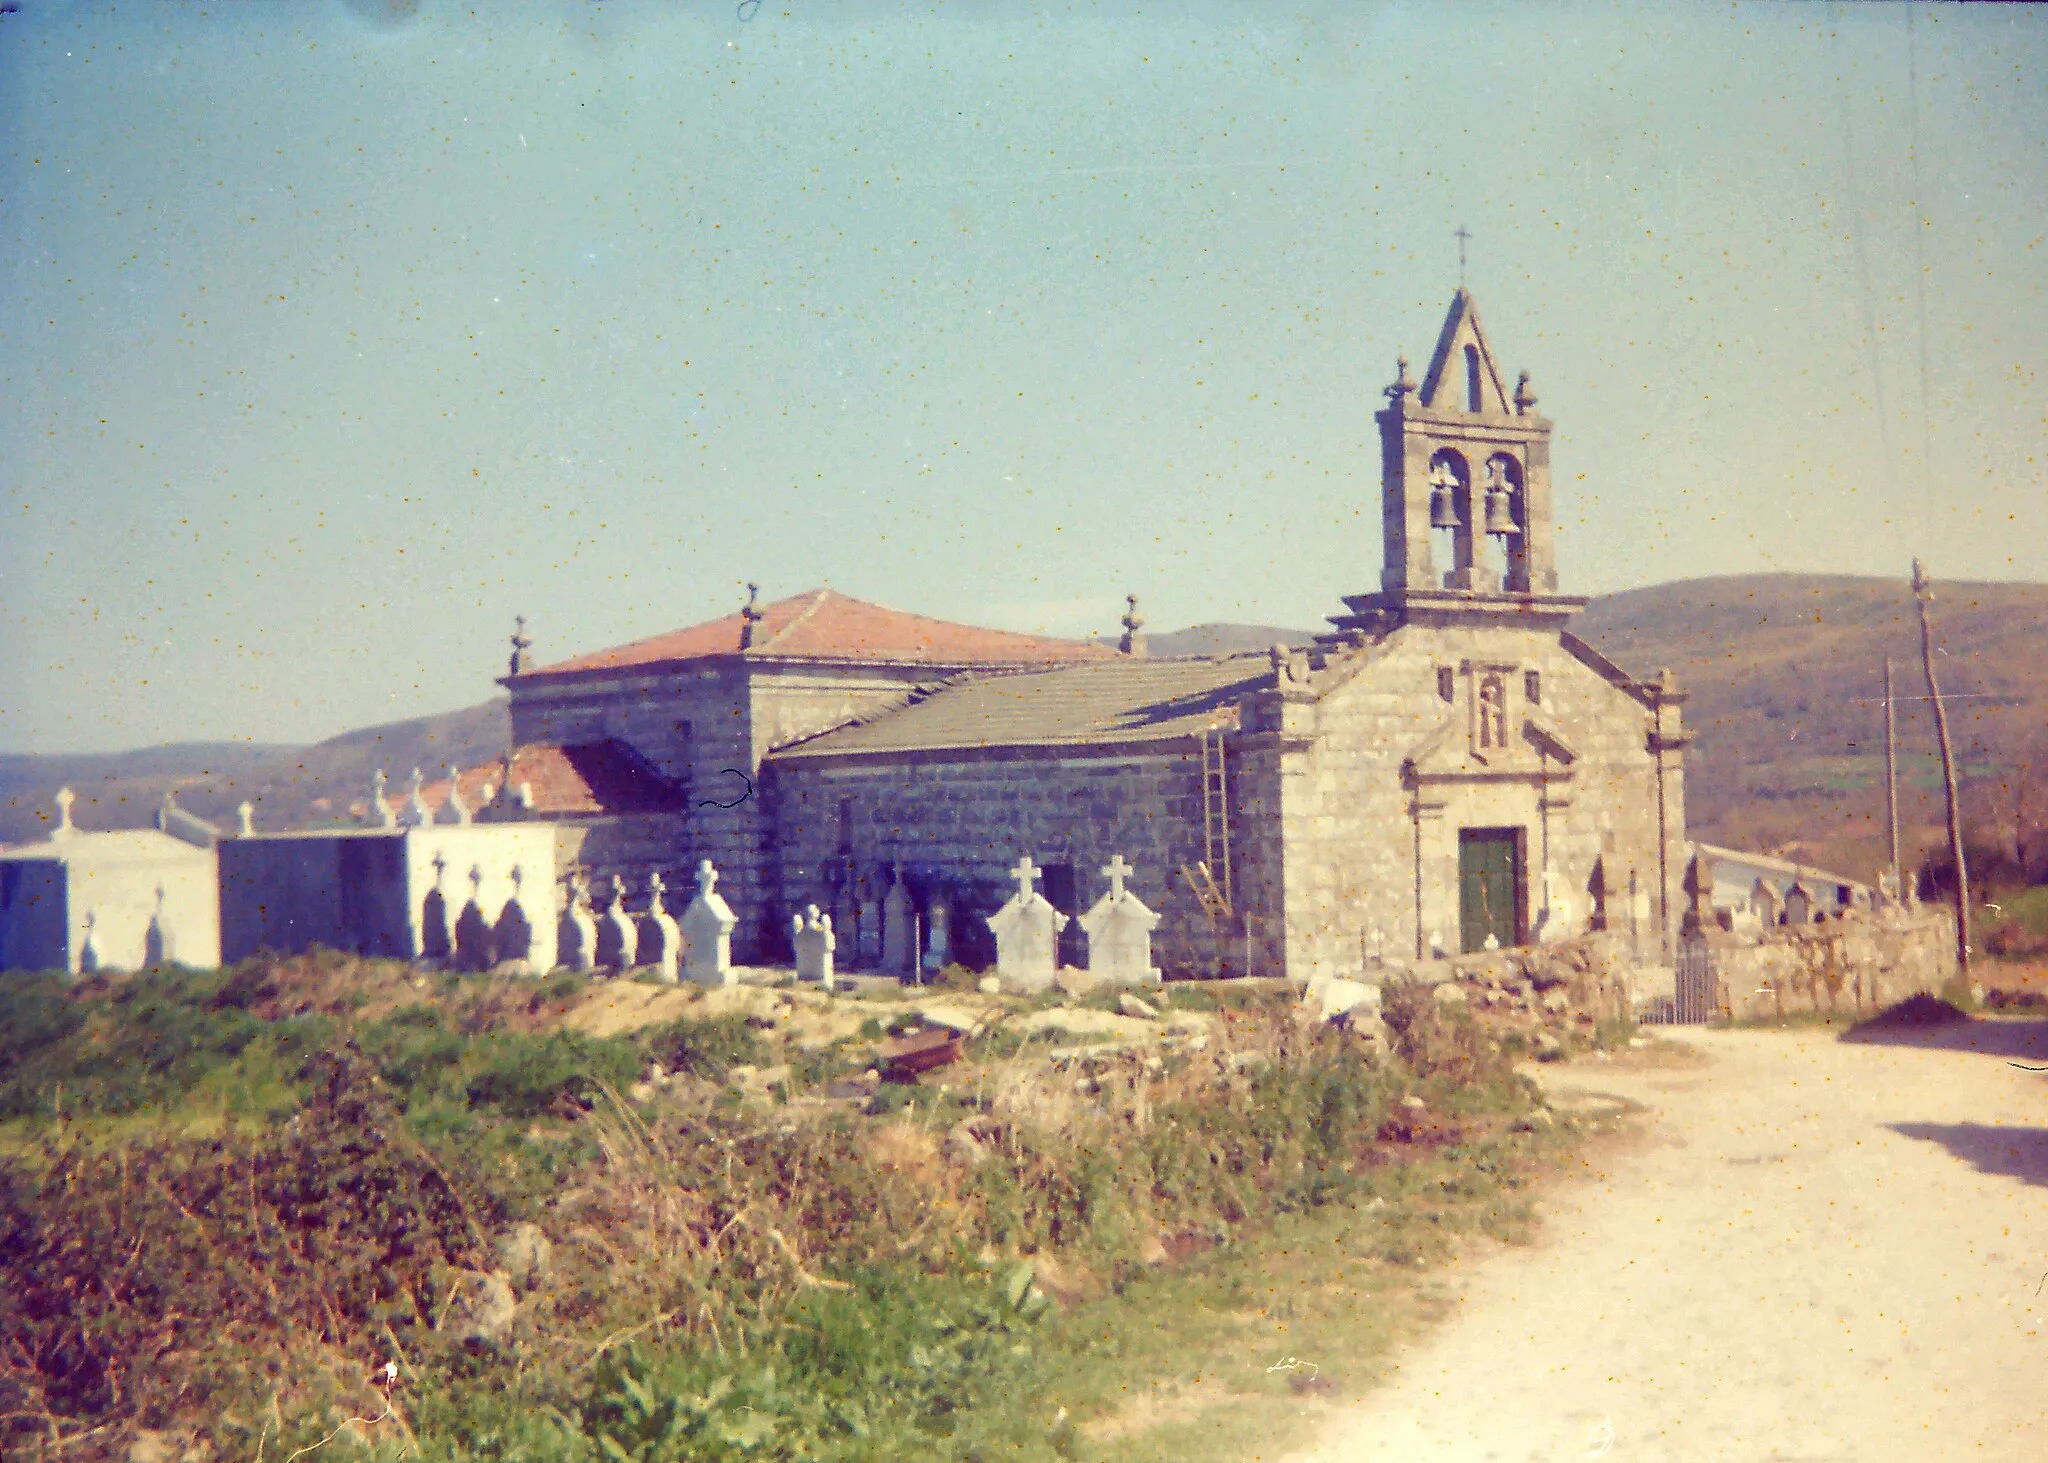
(1465, 472)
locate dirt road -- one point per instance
(1814, 1250)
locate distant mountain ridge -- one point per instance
(1784, 673)
(292, 787)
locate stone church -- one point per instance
(1447, 769)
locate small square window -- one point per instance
(1446, 683)
(1532, 687)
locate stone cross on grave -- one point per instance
(440, 868)
(661, 940)
(1026, 875)
(1119, 930)
(706, 928)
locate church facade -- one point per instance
(1447, 769)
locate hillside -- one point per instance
(1785, 673)
(292, 787)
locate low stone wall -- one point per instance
(1571, 985)
(1856, 965)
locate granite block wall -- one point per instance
(962, 821)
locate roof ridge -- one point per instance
(802, 616)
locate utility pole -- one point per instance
(1923, 595)
(1891, 778)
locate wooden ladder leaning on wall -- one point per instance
(1210, 877)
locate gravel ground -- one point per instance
(1806, 1249)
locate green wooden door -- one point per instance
(1489, 886)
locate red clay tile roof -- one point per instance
(595, 777)
(826, 625)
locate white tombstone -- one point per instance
(379, 814)
(898, 955)
(1027, 931)
(415, 813)
(576, 939)
(618, 938)
(938, 940)
(245, 819)
(661, 940)
(454, 810)
(811, 934)
(1119, 930)
(707, 932)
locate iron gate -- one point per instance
(1696, 996)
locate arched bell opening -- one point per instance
(1450, 513)
(1502, 504)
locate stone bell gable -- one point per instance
(1466, 471)
(1450, 768)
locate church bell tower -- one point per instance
(1465, 479)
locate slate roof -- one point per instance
(823, 624)
(1110, 703)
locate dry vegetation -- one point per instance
(229, 1200)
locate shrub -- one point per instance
(708, 1048)
(523, 1076)
(169, 1276)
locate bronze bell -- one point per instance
(1443, 503)
(1500, 512)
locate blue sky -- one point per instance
(335, 334)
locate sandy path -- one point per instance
(1814, 1251)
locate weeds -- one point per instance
(725, 1277)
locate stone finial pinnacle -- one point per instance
(521, 643)
(1133, 642)
(1404, 383)
(1525, 396)
(65, 798)
(751, 615)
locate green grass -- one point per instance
(2028, 909)
(735, 1279)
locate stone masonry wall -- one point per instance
(970, 816)
(707, 726)
(1857, 965)
(1349, 829)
